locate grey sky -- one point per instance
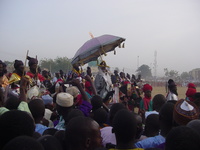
(51, 28)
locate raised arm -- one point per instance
(88, 78)
(24, 82)
(77, 83)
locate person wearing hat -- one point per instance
(16, 77)
(172, 93)
(185, 111)
(65, 103)
(102, 82)
(190, 93)
(146, 102)
(33, 72)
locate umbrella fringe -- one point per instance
(123, 45)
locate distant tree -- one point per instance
(185, 76)
(144, 71)
(60, 63)
(9, 62)
(171, 74)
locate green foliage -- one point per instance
(8, 62)
(185, 75)
(60, 63)
(171, 74)
(144, 71)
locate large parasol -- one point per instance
(96, 47)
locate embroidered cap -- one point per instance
(64, 99)
(185, 111)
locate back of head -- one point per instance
(114, 109)
(166, 118)
(152, 125)
(12, 102)
(182, 138)
(23, 143)
(49, 142)
(158, 101)
(60, 135)
(100, 116)
(50, 131)
(37, 108)
(195, 125)
(79, 131)
(72, 114)
(97, 102)
(124, 127)
(15, 123)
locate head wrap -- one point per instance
(32, 61)
(191, 85)
(103, 64)
(185, 111)
(147, 87)
(18, 63)
(171, 83)
(190, 93)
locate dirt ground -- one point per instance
(162, 90)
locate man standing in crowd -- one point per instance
(102, 82)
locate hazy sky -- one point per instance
(57, 28)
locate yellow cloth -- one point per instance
(3, 110)
(23, 106)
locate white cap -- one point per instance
(64, 99)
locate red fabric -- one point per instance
(88, 87)
(146, 102)
(40, 77)
(79, 100)
(147, 87)
(190, 93)
(126, 82)
(191, 85)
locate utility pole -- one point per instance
(155, 64)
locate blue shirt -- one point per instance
(40, 128)
(150, 142)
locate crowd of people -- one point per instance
(81, 111)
